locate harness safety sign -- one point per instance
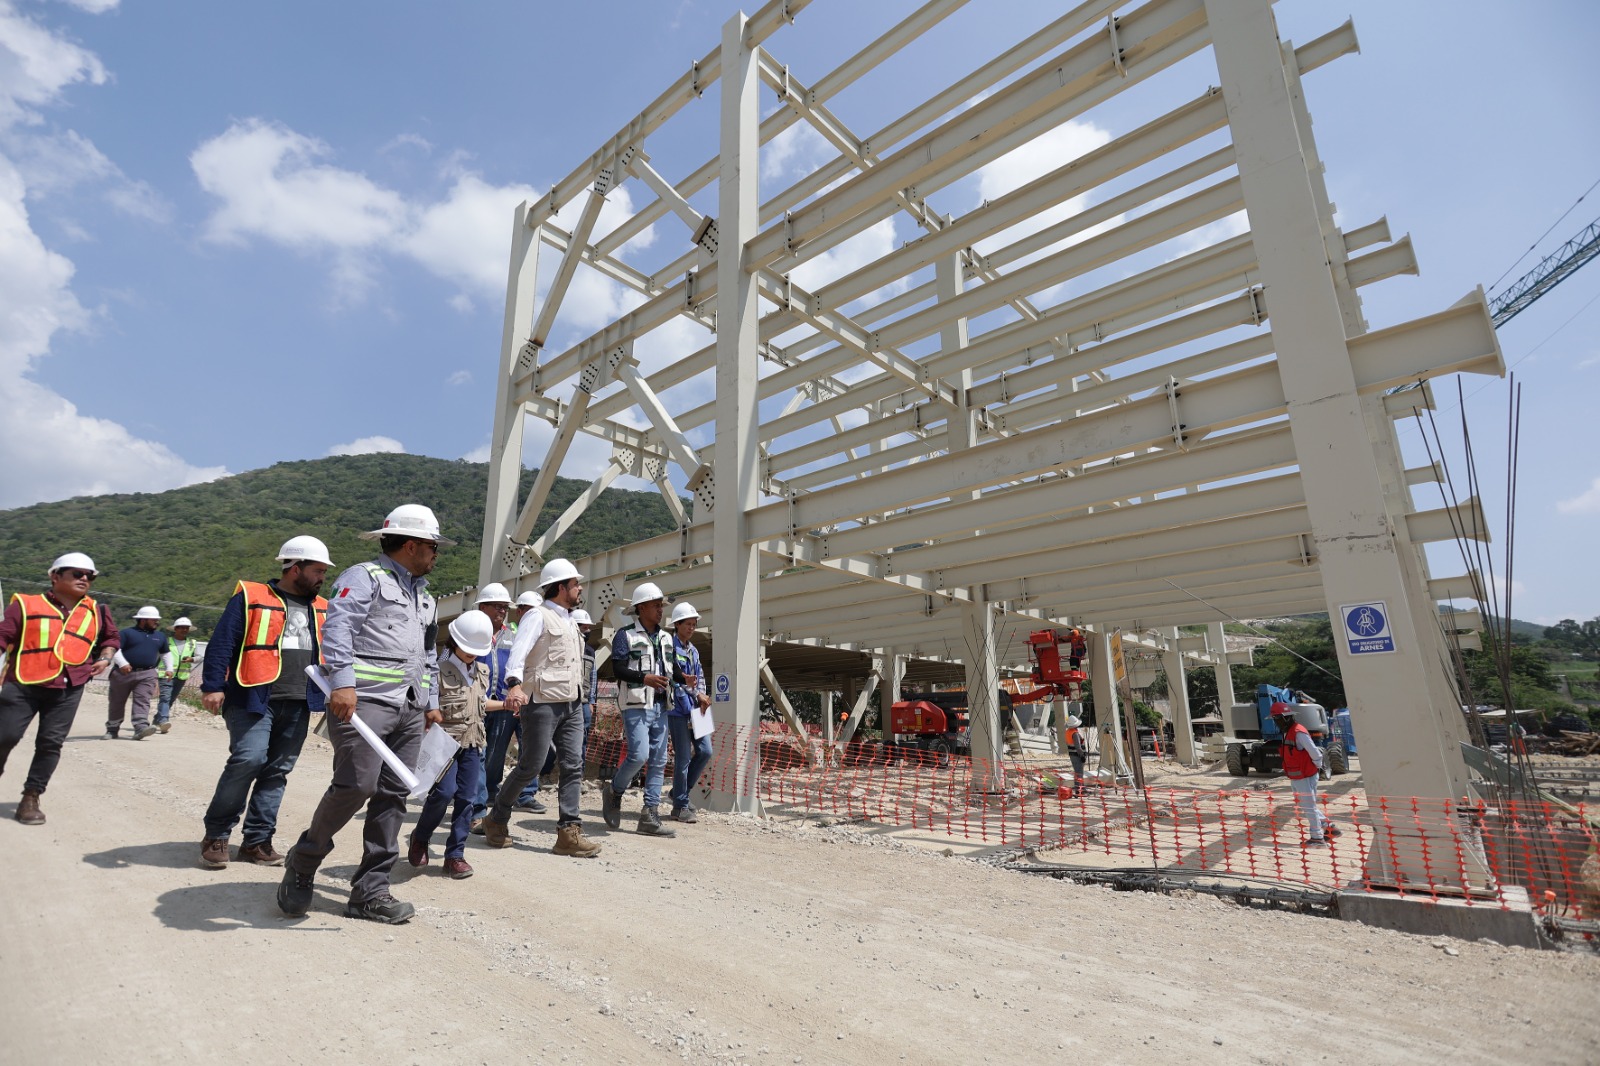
(1366, 627)
(723, 689)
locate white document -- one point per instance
(385, 753)
(702, 720)
(438, 748)
(401, 770)
(318, 678)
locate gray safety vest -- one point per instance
(393, 647)
(640, 659)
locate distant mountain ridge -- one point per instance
(190, 546)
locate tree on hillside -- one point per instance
(1573, 636)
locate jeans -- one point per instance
(645, 729)
(686, 768)
(361, 779)
(460, 782)
(56, 708)
(262, 749)
(544, 724)
(498, 727)
(1305, 798)
(170, 687)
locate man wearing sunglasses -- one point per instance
(56, 642)
(378, 661)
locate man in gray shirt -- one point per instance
(378, 661)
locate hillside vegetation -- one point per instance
(191, 545)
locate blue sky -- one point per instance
(233, 235)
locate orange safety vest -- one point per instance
(260, 660)
(50, 643)
(1297, 764)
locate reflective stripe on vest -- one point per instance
(48, 643)
(182, 657)
(260, 659)
(1297, 764)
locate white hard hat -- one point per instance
(493, 592)
(473, 633)
(581, 617)
(555, 572)
(645, 592)
(683, 612)
(410, 520)
(73, 561)
(1074, 721)
(529, 599)
(146, 612)
(180, 623)
(303, 549)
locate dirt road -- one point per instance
(739, 941)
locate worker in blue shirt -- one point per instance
(144, 649)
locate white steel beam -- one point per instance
(495, 560)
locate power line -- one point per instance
(1543, 235)
(114, 595)
(1257, 632)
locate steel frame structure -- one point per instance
(1108, 417)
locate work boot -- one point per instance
(496, 834)
(610, 806)
(531, 805)
(384, 908)
(294, 891)
(146, 730)
(164, 727)
(417, 851)
(457, 868)
(214, 853)
(684, 814)
(261, 854)
(111, 734)
(28, 812)
(477, 827)
(571, 841)
(650, 824)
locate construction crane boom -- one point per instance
(1552, 270)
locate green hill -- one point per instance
(189, 546)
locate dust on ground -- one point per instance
(742, 940)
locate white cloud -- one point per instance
(1023, 164)
(480, 454)
(94, 7)
(270, 185)
(367, 446)
(59, 164)
(55, 452)
(1586, 502)
(35, 65)
(275, 184)
(460, 377)
(794, 153)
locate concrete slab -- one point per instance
(1513, 924)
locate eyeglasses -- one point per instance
(78, 575)
(433, 545)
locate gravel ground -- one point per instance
(742, 940)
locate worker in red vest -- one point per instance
(1302, 760)
(254, 675)
(57, 641)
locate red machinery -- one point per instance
(936, 722)
(1044, 648)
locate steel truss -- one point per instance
(1124, 414)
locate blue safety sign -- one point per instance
(1366, 628)
(723, 687)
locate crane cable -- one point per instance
(1543, 235)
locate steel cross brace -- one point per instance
(807, 307)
